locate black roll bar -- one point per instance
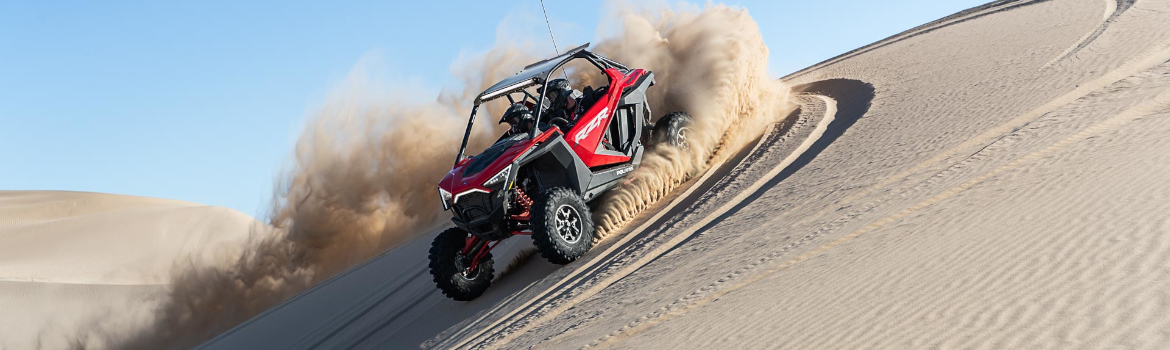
(540, 103)
(466, 135)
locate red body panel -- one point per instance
(457, 184)
(585, 136)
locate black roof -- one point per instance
(531, 75)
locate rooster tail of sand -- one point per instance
(711, 64)
(367, 162)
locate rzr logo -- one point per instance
(593, 124)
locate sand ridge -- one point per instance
(72, 260)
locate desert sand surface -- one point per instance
(74, 262)
(993, 179)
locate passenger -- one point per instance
(566, 103)
(519, 118)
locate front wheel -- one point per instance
(450, 267)
(562, 226)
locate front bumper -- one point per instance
(481, 214)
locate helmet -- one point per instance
(516, 114)
(559, 92)
(558, 88)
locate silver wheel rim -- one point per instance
(464, 272)
(681, 139)
(568, 223)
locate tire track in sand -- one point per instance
(1113, 10)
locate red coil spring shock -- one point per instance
(525, 202)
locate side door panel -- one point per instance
(586, 135)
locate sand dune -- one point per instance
(70, 260)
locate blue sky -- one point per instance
(202, 101)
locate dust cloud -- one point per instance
(710, 63)
(366, 167)
(367, 163)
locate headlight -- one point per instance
(499, 177)
(446, 197)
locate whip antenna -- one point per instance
(553, 37)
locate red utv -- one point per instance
(537, 181)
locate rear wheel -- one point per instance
(562, 226)
(450, 267)
(673, 129)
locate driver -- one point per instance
(565, 103)
(519, 118)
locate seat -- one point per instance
(591, 96)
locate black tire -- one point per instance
(673, 129)
(446, 267)
(562, 226)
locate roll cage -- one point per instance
(538, 73)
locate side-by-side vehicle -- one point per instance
(539, 176)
